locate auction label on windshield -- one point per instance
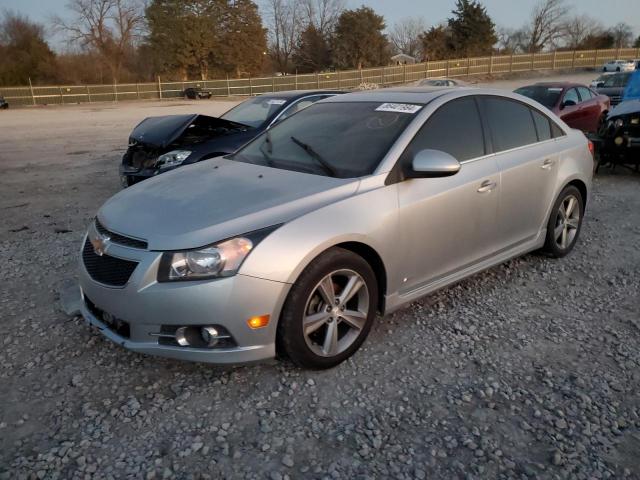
(398, 108)
(276, 101)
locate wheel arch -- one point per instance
(372, 257)
(582, 188)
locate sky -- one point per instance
(505, 13)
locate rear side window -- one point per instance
(511, 123)
(543, 126)
(454, 128)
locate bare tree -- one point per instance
(512, 40)
(622, 35)
(578, 29)
(405, 36)
(547, 25)
(284, 17)
(109, 27)
(322, 14)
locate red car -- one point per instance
(579, 106)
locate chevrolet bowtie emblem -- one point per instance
(99, 244)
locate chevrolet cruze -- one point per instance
(354, 206)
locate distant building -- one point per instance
(403, 59)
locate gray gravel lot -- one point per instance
(529, 370)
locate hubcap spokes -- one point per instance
(335, 313)
(567, 222)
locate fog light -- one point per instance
(181, 337)
(618, 141)
(258, 322)
(209, 335)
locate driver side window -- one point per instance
(571, 95)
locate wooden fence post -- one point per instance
(404, 73)
(491, 64)
(339, 82)
(159, 88)
(318, 80)
(555, 56)
(33, 98)
(138, 90)
(228, 87)
(361, 75)
(115, 90)
(296, 79)
(573, 60)
(446, 71)
(89, 93)
(61, 96)
(273, 83)
(511, 64)
(250, 87)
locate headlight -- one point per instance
(618, 123)
(220, 260)
(172, 159)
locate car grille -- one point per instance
(114, 324)
(106, 269)
(121, 239)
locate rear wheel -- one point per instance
(329, 311)
(565, 223)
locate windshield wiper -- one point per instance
(316, 156)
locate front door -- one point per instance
(448, 223)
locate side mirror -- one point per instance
(433, 163)
(567, 103)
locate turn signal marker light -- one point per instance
(258, 322)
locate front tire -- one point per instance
(565, 223)
(329, 310)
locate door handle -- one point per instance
(548, 163)
(487, 186)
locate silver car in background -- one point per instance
(358, 204)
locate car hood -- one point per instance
(625, 108)
(199, 204)
(161, 132)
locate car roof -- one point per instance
(421, 95)
(559, 84)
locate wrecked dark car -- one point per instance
(160, 144)
(613, 86)
(618, 140)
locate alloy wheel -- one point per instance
(336, 313)
(567, 222)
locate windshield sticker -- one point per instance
(276, 101)
(398, 108)
(555, 89)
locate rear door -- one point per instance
(526, 156)
(448, 223)
(590, 109)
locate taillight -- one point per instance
(592, 148)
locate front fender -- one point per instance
(369, 217)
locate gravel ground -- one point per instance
(529, 370)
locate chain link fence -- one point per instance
(340, 80)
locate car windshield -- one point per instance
(547, 96)
(256, 111)
(617, 80)
(340, 139)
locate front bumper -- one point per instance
(130, 175)
(149, 308)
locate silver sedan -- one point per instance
(355, 206)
